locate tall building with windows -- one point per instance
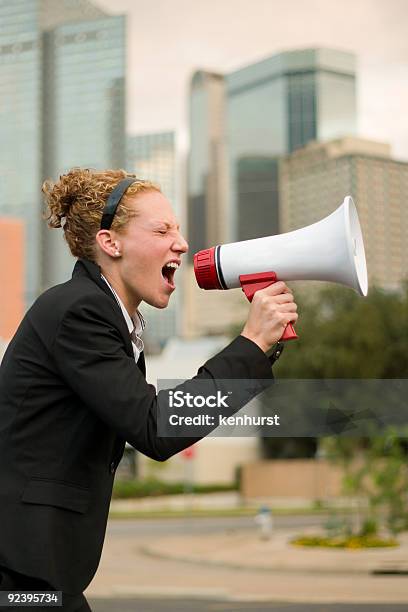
(21, 127)
(274, 107)
(84, 112)
(315, 179)
(153, 157)
(62, 69)
(206, 189)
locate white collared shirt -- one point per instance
(135, 324)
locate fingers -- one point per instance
(284, 298)
(276, 289)
(288, 313)
(292, 318)
(278, 303)
(280, 293)
(288, 307)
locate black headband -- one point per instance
(114, 199)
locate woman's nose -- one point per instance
(181, 244)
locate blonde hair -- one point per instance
(76, 203)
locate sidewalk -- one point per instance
(237, 566)
(245, 550)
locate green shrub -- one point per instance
(125, 489)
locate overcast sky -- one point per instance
(169, 39)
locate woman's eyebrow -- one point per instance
(168, 225)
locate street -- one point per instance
(142, 528)
(130, 579)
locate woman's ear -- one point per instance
(107, 244)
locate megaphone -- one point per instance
(330, 250)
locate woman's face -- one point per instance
(151, 241)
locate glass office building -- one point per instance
(62, 70)
(21, 128)
(153, 157)
(274, 107)
(84, 112)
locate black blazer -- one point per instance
(70, 396)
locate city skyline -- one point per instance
(242, 122)
(168, 41)
(68, 95)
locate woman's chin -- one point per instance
(161, 301)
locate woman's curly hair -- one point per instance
(76, 203)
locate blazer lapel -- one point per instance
(141, 364)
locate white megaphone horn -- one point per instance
(330, 250)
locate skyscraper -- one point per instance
(315, 179)
(274, 107)
(153, 157)
(63, 70)
(84, 112)
(206, 197)
(20, 127)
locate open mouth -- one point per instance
(168, 272)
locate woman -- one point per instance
(72, 386)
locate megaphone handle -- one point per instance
(289, 333)
(251, 283)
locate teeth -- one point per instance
(172, 264)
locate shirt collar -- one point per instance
(136, 323)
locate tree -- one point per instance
(342, 335)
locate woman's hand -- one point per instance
(271, 310)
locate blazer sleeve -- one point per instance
(90, 356)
